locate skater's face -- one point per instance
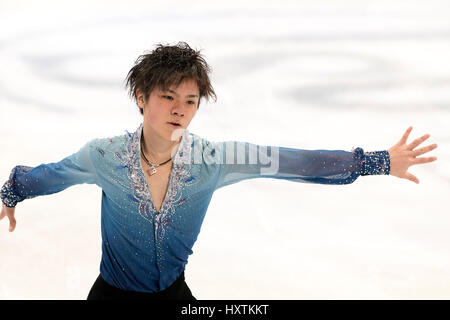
(178, 104)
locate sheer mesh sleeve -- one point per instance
(27, 182)
(243, 160)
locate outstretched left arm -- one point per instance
(403, 156)
(250, 161)
(313, 166)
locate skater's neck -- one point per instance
(155, 148)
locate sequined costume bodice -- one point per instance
(146, 250)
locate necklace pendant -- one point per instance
(152, 171)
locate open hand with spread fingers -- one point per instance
(403, 155)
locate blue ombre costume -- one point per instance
(146, 250)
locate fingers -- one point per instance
(405, 136)
(9, 212)
(423, 150)
(12, 224)
(424, 160)
(412, 177)
(418, 141)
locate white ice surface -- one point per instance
(302, 74)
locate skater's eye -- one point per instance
(171, 98)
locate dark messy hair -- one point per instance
(167, 65)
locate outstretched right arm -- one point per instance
(27, 182)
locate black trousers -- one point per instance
(178, 290)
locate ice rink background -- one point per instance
(309, 75)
